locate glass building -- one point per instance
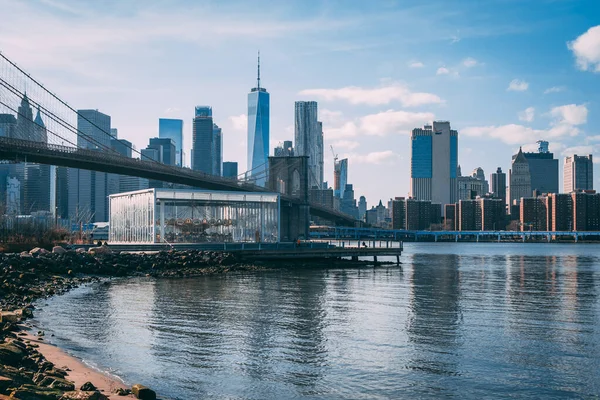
(308, 135)
(173, 129)
(203, 140)
(230, 169)
(258, 133)
(193, 216)
(217, 151)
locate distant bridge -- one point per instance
(341, 233)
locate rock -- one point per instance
(62, 384)
(10, 316)
(100, 250)
(83, 395)
(25, 254)
(38, 251)
(5, 383)
(80, 250)
(10, 354)
(142, 392)
(59, 250)
(122, 392)
(32, 392)
(88, 387)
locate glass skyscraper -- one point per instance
(308, 134)
(217, 150)
(258, 133)
(434, 163)
(173, 129)
(203, 140)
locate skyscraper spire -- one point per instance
(258, 79)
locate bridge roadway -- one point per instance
(42, 153)
(399, 234)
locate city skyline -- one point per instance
(368, 110)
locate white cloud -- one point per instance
(416, 64)
(375, 96)
(380, 124)
(345, 144)
(518, 85)
(527, 115)
(570, 114)
(518, 134)
(593, 138)
(239, 122)
(579, 150)
(470, 62)
(330, 117)
(555, 89)
(586, 49)
(377, 157)
(442, 71)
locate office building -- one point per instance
(89, 190)
(578, 173)
(498, 181)
(348, 202)
(217, 151)
(470, 187)
(203, 140)
(493, 214)
(258, 132)
(434, 163)
(469, 215)
(285, 149)
(230, 169)
(322, 197)
(362, 207)
(450, 220)
(340, 176)
(543, 169)
(24, 128)
(165, 150)
(309, 140)
(533, 214)
(173, 129)
(8, 125)
(114, 133)
(519, 179)
(422, 214)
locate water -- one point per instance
(471, 320)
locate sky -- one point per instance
(505, 73)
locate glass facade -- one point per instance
(258, 135)
(203, 141)
(453, 155)
(193, 216)
(421, 166)
(173, 129)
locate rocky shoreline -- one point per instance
(29, 276)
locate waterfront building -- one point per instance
(578, 173)
(203, 140)
(450, 218)
(173, 129)
(421, 214)
(285, 149)
(493, 214)
(434, 163)
(230, 169)
(362, 207)
(340, 177)
(562, 212)
(399, 213)
(217, 151)
(193, 216)
(498, 181)
(519, 178)
(533, 214)
(258, 132)
(308, 136)
(469, 215)
(371, 216)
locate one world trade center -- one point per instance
(258, 133)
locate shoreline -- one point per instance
(77, 371)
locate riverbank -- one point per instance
(32, 369)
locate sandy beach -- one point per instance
(78, 372)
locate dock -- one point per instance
(275, 251)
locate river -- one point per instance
(467, 320)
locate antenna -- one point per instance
(258, 80)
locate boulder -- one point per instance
(142, 392)
(83, 395)
(59, 250)
(25, 254)
(88, 387)
(32, 392)
(100, 250)
(80, 250)
(38, 251)
(62, 384)
(5, 383)
(10, 316)
(10, 354)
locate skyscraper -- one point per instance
(340, 177)
(543, 169)
(362, 207)
(578, 173)
(217, 151)
(166, 150)
(519, 178)
(309, 140)
(89, 190)
(434, 163)
(498, 180)
(284, 150)
(230, 169)
(24, 128)
(203, 140)
(173, 129)
(258, 132)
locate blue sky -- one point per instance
(504, 72)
